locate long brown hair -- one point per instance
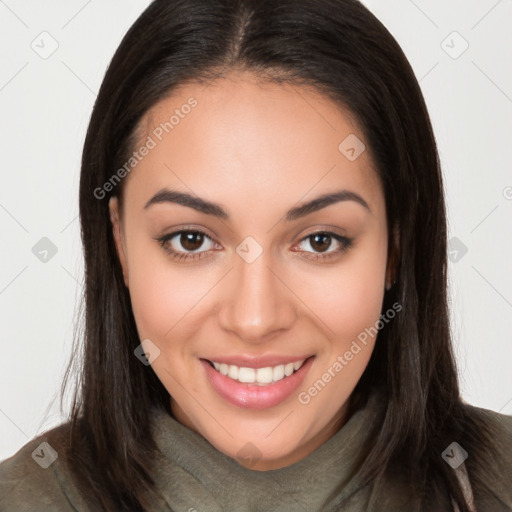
(339, 47)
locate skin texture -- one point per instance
(258, 149)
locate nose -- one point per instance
(257, 302)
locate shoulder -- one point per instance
(34, 478)
(498, 427)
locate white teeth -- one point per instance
(288, 369)
(278, 372)
(259, 376)
(264, 375)
(246, 375)
(234, 372)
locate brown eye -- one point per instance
(323, 245)
(187, 243)
(191, 241)
(320, 241)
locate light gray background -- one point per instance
(45, 104)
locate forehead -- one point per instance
(241, 140)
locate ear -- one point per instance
(113, 206)
(392, 264)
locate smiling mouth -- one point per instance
(258, 376)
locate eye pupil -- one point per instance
(191, 241)
(320, 242)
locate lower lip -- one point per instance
(252, 396)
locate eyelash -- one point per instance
(346, 243)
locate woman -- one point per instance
(266, 324)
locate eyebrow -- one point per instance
(209, 208)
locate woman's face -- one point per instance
(267, 273)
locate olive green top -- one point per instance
(193, 476)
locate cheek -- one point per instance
(151, 295)
(345, 298)
(161, 295)
(348, 298)
(165, 302)
(349, 304)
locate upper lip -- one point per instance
(244, 361)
